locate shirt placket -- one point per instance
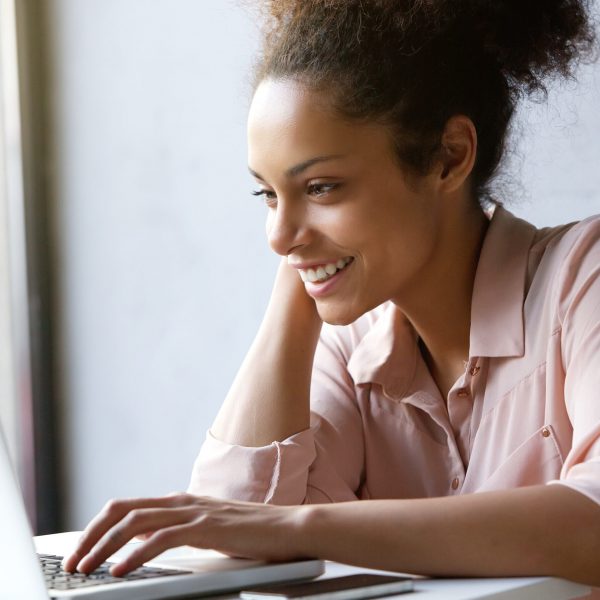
(452, 415)
(436, 409)
(460, 402)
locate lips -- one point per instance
(321, 273)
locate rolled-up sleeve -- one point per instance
(321, 464)
(580, 317)
(275, 474)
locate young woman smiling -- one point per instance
(445, 419)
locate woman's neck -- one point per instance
(439, 308)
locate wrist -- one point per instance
(307, 520)
(290, 305)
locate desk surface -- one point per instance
(513, 588)
(521, 588)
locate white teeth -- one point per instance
(324, 272)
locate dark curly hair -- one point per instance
(413, 64)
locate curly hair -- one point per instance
(413, 64)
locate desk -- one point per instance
(513, 588)
(508, 588)
(517, 588)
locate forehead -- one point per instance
(289, 123)
(285, 106)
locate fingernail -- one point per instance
(81, 567)
(117, 570)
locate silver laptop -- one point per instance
(27, 575)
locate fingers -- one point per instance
(139, 520)
(169, 537)
(113, 513)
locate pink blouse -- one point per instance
(525, 411)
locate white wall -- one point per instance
(557, 161)
(164, 268)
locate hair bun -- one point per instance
(533, 40)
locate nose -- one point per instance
(287, 227)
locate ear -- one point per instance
(459, 150)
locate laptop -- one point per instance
(30, 575)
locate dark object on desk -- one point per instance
(348, 587)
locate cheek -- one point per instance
(393, 245)
(359, 228)
(343, 225)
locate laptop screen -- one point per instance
(21, 575)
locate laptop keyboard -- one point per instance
(58, 579)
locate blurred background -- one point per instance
(133, 264)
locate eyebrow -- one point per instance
(297, 169)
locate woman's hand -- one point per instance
(242, 529)
(289, 292)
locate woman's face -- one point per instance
(338, 205)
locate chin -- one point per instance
(338, 315)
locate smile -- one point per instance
(322, 273)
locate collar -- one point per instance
(387, 354)
(497, 327)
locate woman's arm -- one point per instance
(540, 530)
(269, 398)
(261, 448)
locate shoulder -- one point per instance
(567, 259)
(572, 240)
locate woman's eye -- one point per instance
(320, 189)
(269, 196)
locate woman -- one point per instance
(461, 347)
